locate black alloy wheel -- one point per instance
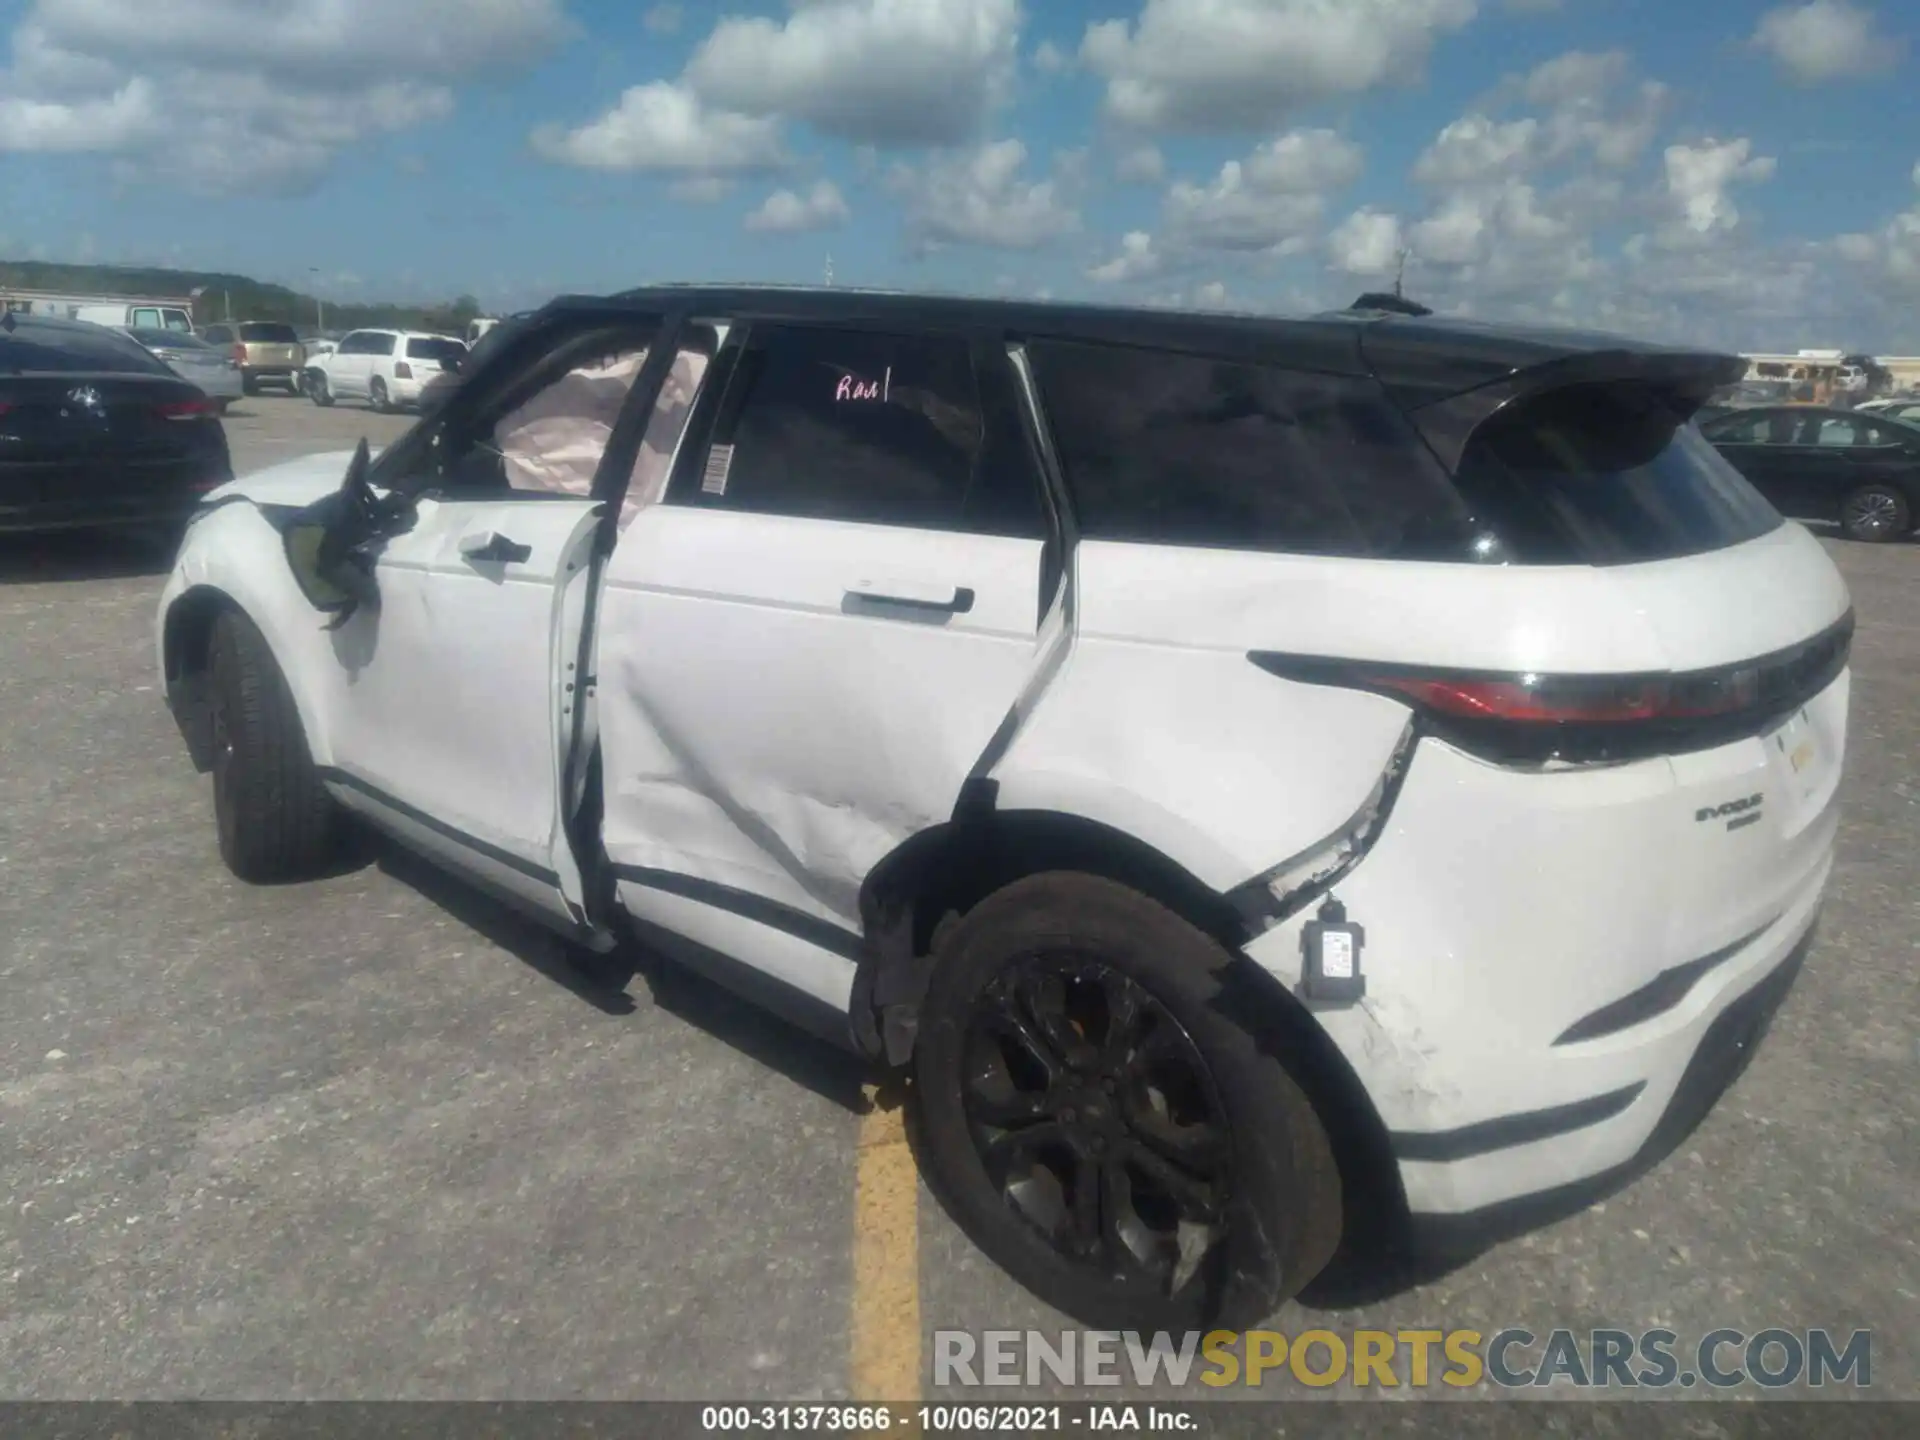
(1099, 1121)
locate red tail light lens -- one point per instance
(402, 371)
(195, 409)
(1587, 719)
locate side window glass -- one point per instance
(1188, 450)
(146, 319)
(1868, 433)
(382, 345)
(654, 464)
(547, 433)
(1835, 432)
(1748, 430)
(845, 425)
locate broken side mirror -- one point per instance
(325, 542)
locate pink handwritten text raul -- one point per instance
(852, 388)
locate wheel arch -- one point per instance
(186, 637)
(949, 868)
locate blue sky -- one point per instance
(1744, 173)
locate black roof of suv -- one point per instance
(1420, 358)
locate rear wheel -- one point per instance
(1101, 1129)
(318, 390)
(377, 395)
(275, 819)
(249, 385)
(1875, 513)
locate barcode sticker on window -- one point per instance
(719, 462)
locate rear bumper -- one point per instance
(1726, 1047)
(1549, 958)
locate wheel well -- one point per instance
(949, 869)
(186, 637)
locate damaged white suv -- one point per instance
(1266, 780)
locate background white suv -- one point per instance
(386, 368)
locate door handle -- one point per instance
(493, 548)
(910, 595)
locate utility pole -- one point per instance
(319, 305)
(829, 268)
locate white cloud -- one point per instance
(1050, 59)
(663, 19)
(664, 126)
(1136, 260)
(789, 212)
(1824, 40)
(1474, 148)
(1889, 258)
(981, 197)
(1699, 178)
(1235, 65)
(1142, 165)
(890, 72)
(1367, 242)
(225, 95)
(1269, 201)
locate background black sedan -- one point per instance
(96, 432)
(1816, 463)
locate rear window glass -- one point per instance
(1605, 475)
(432, 348)
(261, 333)
(1187, 450)
(49, 349)
(170, 339)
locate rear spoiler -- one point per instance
(1688, 378)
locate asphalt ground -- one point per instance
(373, 1138)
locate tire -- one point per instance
(1271, 1185)
(249, 385)
(223, 406)
(275, 820)
(377, 395)
(318, 390)
(1876, 514)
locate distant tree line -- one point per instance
(237, 295)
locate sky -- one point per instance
(1740, 174)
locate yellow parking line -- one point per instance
(885, 1360)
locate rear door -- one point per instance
(809, 646)
(350, 365)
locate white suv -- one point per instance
(388, 369)
(1266, 781)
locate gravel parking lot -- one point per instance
(371, 1138)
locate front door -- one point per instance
(457, 711)
(806, 650)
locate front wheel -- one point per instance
(275, 819)
(318, 390)
(1875, 513)
(1101, 1129)
(377, 395)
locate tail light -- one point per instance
(402, 371)
(197, 408)
(1592, 719)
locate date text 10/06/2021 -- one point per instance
(947, 1419)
